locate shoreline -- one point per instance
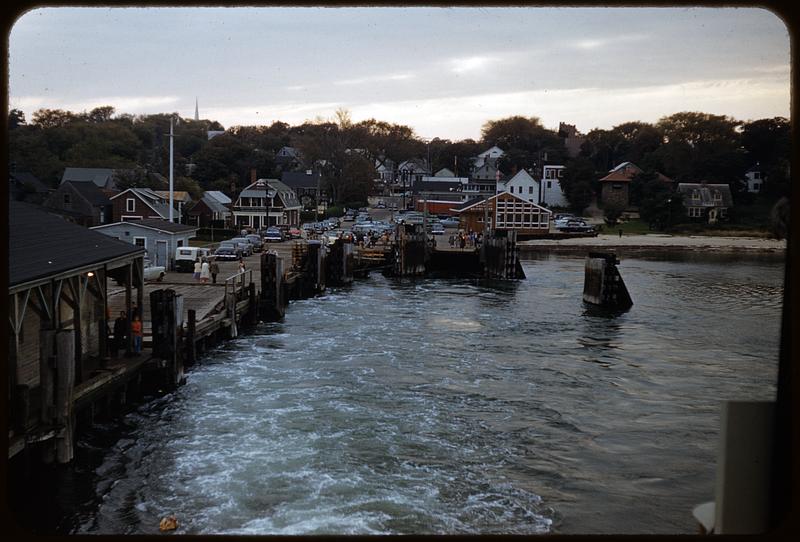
(658, 242)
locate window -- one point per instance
(616, 186)
(756, 174)
(756, 187)
(549, 184)
(67, 201)
(695, 194)
(560, 171)
(180, 242)
(530, 190)
(140, 242)
(695, 212)
(717, 195)
(130, 205)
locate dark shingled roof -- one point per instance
(706, 193)
(91, 192)
(41, 244)
(300, 179)
(25, 178)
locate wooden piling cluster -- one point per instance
(499, 255)
(340, 263)
(411, 252)
(603, 285)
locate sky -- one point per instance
(443, 71)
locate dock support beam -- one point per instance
(65, 383)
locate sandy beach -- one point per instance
(659, 242)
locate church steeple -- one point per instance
(196, 110)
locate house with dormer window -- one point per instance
(264, 203)
(706, 202)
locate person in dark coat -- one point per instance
(120, 333)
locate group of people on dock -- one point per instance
(203, 270)
(119, 339)
(463, 240)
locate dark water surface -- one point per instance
(445, 406)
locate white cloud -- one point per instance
(375, 79)
(598, 43)
(462, 117)
(265, 114)
(469, 64)
(123, 104)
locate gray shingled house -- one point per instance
(706, 202)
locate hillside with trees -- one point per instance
(685, 146)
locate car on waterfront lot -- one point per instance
(294, 233)
(256, 241)
(575, 226)
(236, 247)
(273, 235)
(450, 222)
(226, 253)
(437, 228)
(246, 246)
(154, 272)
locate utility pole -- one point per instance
(171, 137)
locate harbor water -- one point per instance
(448, 406)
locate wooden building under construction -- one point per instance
(57, 305)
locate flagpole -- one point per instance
(171, 136)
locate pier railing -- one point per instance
(237, 284)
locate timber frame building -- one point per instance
(57, 305)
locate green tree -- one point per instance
(701, 146)
(579, 183)
(16, 118)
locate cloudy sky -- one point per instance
(442, 71)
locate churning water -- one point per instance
(446, 406)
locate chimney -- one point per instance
(253, 175)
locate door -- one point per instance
(161, 254)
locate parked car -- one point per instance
(186, 256)
(451, 222)
(247, 246)
(380, 205)
(226, 253)
(235, 247)
(273, 235)
(256, 241)
(153, 272)
(576, 226)
(295, 233)
(437, 228)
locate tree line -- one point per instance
(686, 146)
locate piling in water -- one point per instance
(603, 285)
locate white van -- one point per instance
(186, 256)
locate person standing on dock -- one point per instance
(136, 331)
(242, 267)
(214, 269)
(197, 268)
(120, 333)
(205, 272)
